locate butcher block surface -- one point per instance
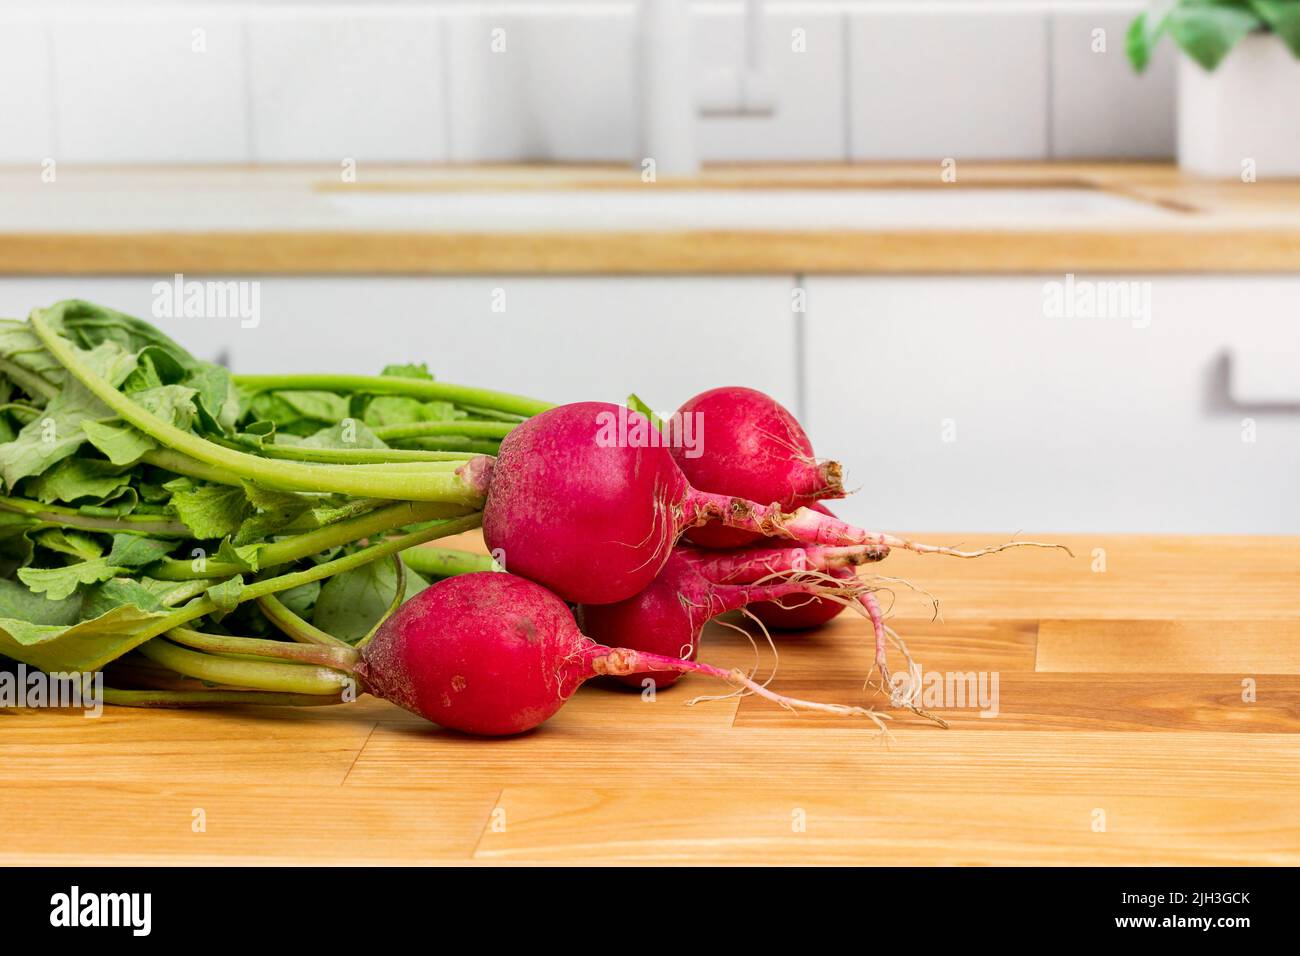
(1147, 712)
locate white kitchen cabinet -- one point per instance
(560, 338)
(958, 404)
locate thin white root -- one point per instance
(795, 704)
(915, 588)
(919, 548)
(740, 691)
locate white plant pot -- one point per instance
(1243, 116)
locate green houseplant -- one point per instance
(1236, 114)
(1207, 30)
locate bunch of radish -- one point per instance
(201, 508)
(596, 524)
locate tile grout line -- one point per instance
(846, 79)
(52, 75)
(246, 73)
(1049, 92)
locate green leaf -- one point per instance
(137, 550)
(118, 442)
(90, 325)
(1283, 18)
(275, 511)
(301, 599)
(212, 511)
(350, 603)
(414, 370)
(1145, 32)
(16, 548)
(57, 433)
(77, 544)
(216, 397)
(174, 404)
(244, 560)
(394, 410)
(299, 412)
(154, 368)
(347, 434)
(226, 596)
(59, 583)
(1207, 32)
(51, 637)
(79, 480)
(20, 346)
(129, 551)
(144, 595)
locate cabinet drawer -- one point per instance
(563, 339)
(977, 404)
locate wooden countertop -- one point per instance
(1123, 738)
(243, 221)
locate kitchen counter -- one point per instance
(1124, 736)
(880, 218)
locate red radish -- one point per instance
(807, 614)
(493, 654)
(668, 616)
(754, 564)
(585, 499)
(751, 447)
(800, 615)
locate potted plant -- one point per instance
(1238, 114)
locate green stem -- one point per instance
(467, 429)
(344, 659)
(170, 460)
(446, 562)
(210, 698)
(27, 380)
(22, 411)
(495, 414)
(291, 476)
(397, 515)
(61, 517)
(361, 455)
(393, 385)
(287, 678)
(251, 592)
(295, 627)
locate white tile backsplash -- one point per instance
(550, 86)
(1101, 108)
(26, 119)
(327, 84)
(150, 86)
(802, 56)
(421, 83)
(950, 83)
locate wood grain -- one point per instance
(1120, 691)
(728, 826)
(1212, 226)
(821, 755)
(148, 824)
(970, 700)
(698, 252)
(1244, 648)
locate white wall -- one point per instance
(206, 81)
